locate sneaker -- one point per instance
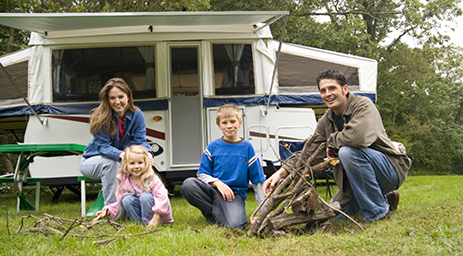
(393, 199)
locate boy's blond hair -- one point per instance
(227, 111)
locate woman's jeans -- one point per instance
(212, 205)
(98, 167)
(139, 209)
(371, 175)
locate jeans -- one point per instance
(371, 175)
(98, 167)
(139, 209)
(212, 205)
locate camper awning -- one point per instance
(47, 22)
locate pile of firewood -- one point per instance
(299, 200)
(82, 228)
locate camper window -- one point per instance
(79, 74)
(233, 69)
(297, 74)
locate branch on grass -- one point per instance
(7, 223)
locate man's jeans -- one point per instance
(139, 209)
(98, 167)
(371, 175)
(212, 205)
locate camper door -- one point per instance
(185, 105)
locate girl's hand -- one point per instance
(100, 214)
(154, 221)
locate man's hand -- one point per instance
(225, 190)
(154, 221)
(270, 183)
(331, 153)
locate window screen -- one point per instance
(79, 74)
(233, 69)
(18, 73)
(297, 74)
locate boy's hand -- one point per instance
(225, 190)
(154, 221)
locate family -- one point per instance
(371, 169)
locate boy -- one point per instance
(227, 166)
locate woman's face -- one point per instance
(118, 101)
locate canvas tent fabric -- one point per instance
(56, 25)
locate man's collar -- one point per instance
(347, 109)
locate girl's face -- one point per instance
(136, 165)
(118, 101)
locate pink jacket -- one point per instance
(161, 199)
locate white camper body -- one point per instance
(181, 66)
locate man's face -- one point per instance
(333, 94)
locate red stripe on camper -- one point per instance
(155, 134)
(149, 132)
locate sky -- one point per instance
(456, 36)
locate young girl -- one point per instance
(141, 196)
(115, 124)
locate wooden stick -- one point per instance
(7, 223)
(67, 231)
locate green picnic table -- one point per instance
(27, 153)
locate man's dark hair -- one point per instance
(332, 74)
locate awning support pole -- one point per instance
(22, 95)
(276, 64)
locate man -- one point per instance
(370, 164)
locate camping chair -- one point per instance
(287, 148)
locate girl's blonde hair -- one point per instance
(147, 172)
(228, 110)
(102, 116)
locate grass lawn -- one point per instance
(429, 221)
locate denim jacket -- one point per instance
(110, 147)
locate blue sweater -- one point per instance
(233, 163)
(110, 147)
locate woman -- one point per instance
(115, 124)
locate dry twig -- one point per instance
(44, 225)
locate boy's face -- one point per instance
(229, 126)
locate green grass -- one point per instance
(429, 221)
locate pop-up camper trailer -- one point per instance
(181, 67)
